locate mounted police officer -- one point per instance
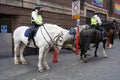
(36, 21)
(96, 23)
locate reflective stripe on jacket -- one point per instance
(94, 21)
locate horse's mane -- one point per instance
(107, 24)
(52, 26)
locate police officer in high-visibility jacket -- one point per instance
(36, 21)
(96, 23)
(36, 16)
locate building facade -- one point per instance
(15, 13)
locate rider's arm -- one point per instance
(99, 20)
(34, 16)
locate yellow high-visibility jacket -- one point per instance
(94, 21)
(36, 18)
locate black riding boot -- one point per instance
(30, 35)
(29, 39)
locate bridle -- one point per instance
(54, 43)
(58, 37)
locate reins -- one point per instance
(54, 43)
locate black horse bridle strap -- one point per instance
(49, 37)
(58, 36)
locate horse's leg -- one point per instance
(112, 41)
(104, 53)
(110, 38)
(82, 52)
(73, 46)
(41, 51)
(85, 58)
(16, 52)
(84, 48)
(119, 35)
(109, 43)
(22, 47)
(46, 66)
(83, 55)
(96, 48)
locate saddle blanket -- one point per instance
(27, 32)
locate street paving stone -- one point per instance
(69, 67)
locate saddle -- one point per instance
(30, 33)
(27, 32)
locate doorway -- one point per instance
(5, 36)
(5, 20)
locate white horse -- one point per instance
(47, 36)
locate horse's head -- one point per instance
(59, 40)
(64, 36)
(116, 26)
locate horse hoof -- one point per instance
(110, 46)
(24, 62)
(105, 56)
(46, 68)
(40, 70)
(95, 56)
(81, 58)
(16, 62)
(85, 61)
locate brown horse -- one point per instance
(111, 29)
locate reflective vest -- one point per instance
(40, 18)
(94, 21)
